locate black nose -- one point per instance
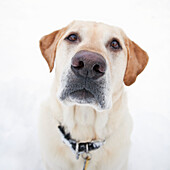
(88, 64)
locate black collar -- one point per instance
(79, 147)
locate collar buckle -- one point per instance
(79, 148)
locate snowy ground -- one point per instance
(25, 78)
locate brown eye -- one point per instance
(115, 44)
(72, 37)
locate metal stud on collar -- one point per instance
(77, 150)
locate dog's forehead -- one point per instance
(99, 29)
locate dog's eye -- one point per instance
(72, 37)
(115, 45)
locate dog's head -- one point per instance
(93, 61)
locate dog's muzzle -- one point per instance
(86, 79)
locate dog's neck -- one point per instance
(85, 123)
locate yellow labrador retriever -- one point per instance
(85, 123)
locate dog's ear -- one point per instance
(137, 59)
(48, 46)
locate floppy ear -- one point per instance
(137, 59)
(48, 46)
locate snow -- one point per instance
(25, 79)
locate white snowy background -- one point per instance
(25, 79)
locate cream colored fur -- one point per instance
(88, 122)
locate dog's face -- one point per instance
(93, 61)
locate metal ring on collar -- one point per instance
(86, 155)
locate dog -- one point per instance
(85, 123)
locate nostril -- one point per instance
(78, 65)
(97, 68)
(81, 64)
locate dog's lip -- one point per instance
(82, 94)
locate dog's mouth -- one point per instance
(82, 96)
(83, 91)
